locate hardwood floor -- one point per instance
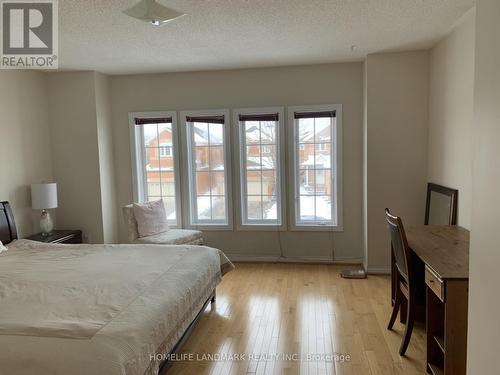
(265, 312)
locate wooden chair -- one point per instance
(405, 278)
(441, 205)
(440, 209)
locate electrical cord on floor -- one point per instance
(280, 243)
(333, 246)
(282, 257)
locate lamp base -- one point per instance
(46, 223)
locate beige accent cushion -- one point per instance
(174, 237)
(130, 222)
(151, 218)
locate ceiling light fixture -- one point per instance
(152, 12)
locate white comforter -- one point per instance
(99, 309)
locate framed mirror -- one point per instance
(441, 205)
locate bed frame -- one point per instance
(8, 230)
(185, 336)
(8, 233)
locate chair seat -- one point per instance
(174, 237)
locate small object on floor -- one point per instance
(353, 274)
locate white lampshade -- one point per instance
(43, 196)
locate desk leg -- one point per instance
(455, 315)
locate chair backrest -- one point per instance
(399, 245)
(441, 205)
(128, 216)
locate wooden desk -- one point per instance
(445, 252)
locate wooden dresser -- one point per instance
(445, 252)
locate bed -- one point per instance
(99, 309)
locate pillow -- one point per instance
(151, 218)
(2, 247)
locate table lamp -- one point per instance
(44, 197)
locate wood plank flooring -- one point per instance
(299, 319)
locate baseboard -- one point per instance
(251, 258)
(274, 259)
(379, 270)
(349, 261)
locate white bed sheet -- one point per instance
(99, 309)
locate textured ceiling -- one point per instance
(226, 34)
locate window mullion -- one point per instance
(143, 168)
(333, 173)
(159, 159)
(210, 172)
(244, 167)
(297, 170)
(314, 172)
(276, 171)
(261, 172)
(192, 178)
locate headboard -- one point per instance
(8, 231)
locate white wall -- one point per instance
(451, 110)
(75, 152)
(484, 282)
(365, 167)
(106, 159)
(80, 121)
(320, 84)
(25, 155)
(396, 146)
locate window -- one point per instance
(316, 154)
(267, 149)
(166, 151)
(208, 167)
(155, 169)
(320, 146)
(260, 160)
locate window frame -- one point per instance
(239, 184)
(320, 148)
(336, 175)
(165, 148)
(138, 155)
(188, 182)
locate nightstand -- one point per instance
(59, 236)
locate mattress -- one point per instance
(99, 309)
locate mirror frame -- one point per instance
(452, 193)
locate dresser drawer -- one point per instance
(434, 283)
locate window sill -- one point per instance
(317, 228)
(210, 227)
(262, 228)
